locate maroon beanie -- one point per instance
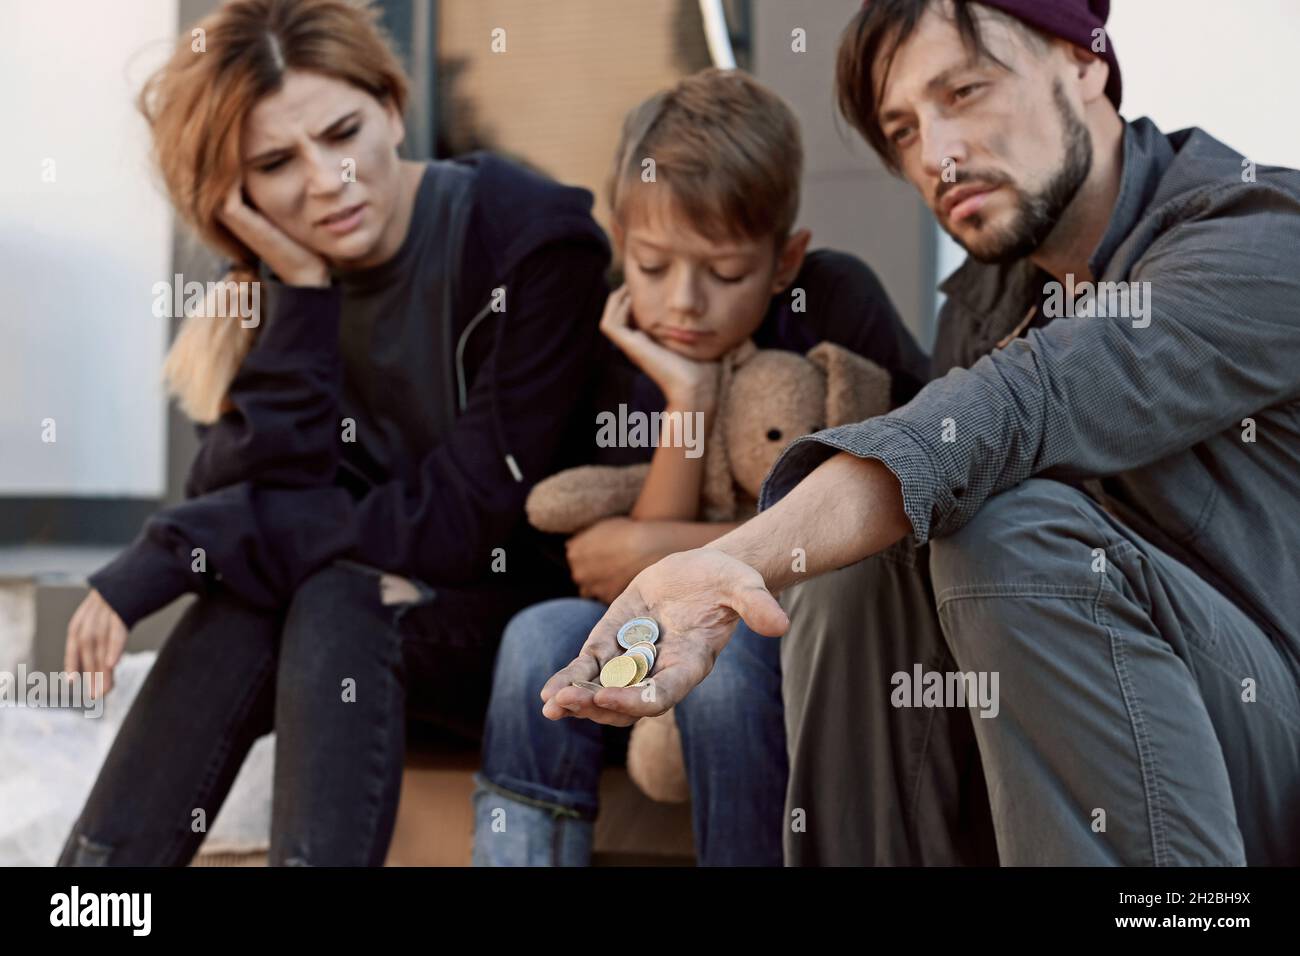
(1071, 20)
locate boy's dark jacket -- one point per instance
(274, 494)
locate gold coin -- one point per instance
(618, 672)
(642, 666)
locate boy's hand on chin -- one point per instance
(687, 384)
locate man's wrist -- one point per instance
(800, 536)
(757, 552)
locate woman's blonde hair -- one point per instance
(727, 147)
(195, 106)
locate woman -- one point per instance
(353, 523)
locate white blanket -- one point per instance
(49, 759)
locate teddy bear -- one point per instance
(767, 398)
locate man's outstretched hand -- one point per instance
(696, 597)
(850, 507)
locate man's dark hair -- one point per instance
(879, 29)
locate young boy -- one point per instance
(704, 196)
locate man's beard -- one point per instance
(1036, 215)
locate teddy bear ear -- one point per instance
(856, 388)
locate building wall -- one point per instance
(849, 201)
(570, 72)
(84, 235)
(1226, 68)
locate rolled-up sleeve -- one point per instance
(1090, 397)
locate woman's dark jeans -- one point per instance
(335, 677)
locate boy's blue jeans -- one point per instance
(537, 792)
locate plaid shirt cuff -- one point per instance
(886, 439)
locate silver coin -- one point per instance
(587, 685)
(637, 630)
(646, 650)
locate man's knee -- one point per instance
(1041, 534)
(1027, 557)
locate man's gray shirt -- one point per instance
(1153, 416)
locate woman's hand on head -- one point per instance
(686, 383)
(96, 639)
(294, 263)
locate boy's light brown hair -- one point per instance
(726, 148)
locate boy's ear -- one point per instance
(790, 259)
